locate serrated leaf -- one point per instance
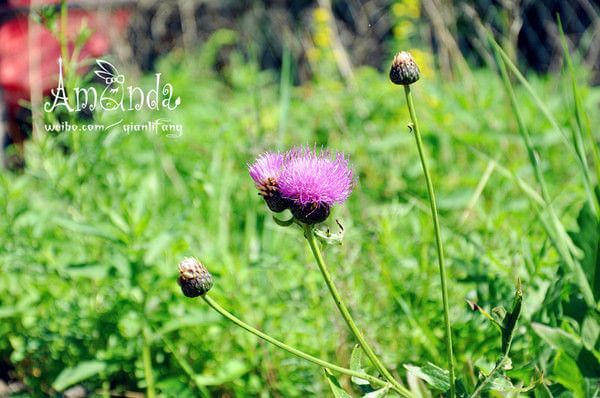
(334, 384)
(356, 365)
(433, 375)
(76, 374)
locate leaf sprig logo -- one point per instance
(116, 96)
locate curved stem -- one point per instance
(214, 305)
(339, 302)
(438, 237)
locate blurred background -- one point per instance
(297, 32)
(92, 225)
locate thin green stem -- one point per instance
(438, 237)
(147, 360)
(214, 305)
(339, 302)
(489, 377)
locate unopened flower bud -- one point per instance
(404, 69)
(194, 279)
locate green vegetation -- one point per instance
(93, 229)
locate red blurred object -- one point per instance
(19, 53)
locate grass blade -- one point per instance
(555, 228)
(500, 53)
(583, 122)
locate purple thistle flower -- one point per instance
(313, 182)
(265, 172)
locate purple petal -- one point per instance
(267, 166)
(309, 176)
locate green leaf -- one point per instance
(500, 383)
(509, 322)
(334, 384)
(157, 247)
(176, 387)
(191, 318)
(23, 305)
(227, 372)
(84, 370)
(435, 376)
(382, 392)
(499, 313)
(130, 325)
(104, 231)
(588, 361)
(356, 365)
(283, 223)
(566, 372)
(90, 270)
(590, 330)
(329, 238)
(588, 240)
(558, 339)
(475, 307)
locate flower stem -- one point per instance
(438, 237)
(339, 302)
(373, 380)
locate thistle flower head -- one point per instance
(314, 181)
(194, 279)
(265, 172)
(404, 69)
